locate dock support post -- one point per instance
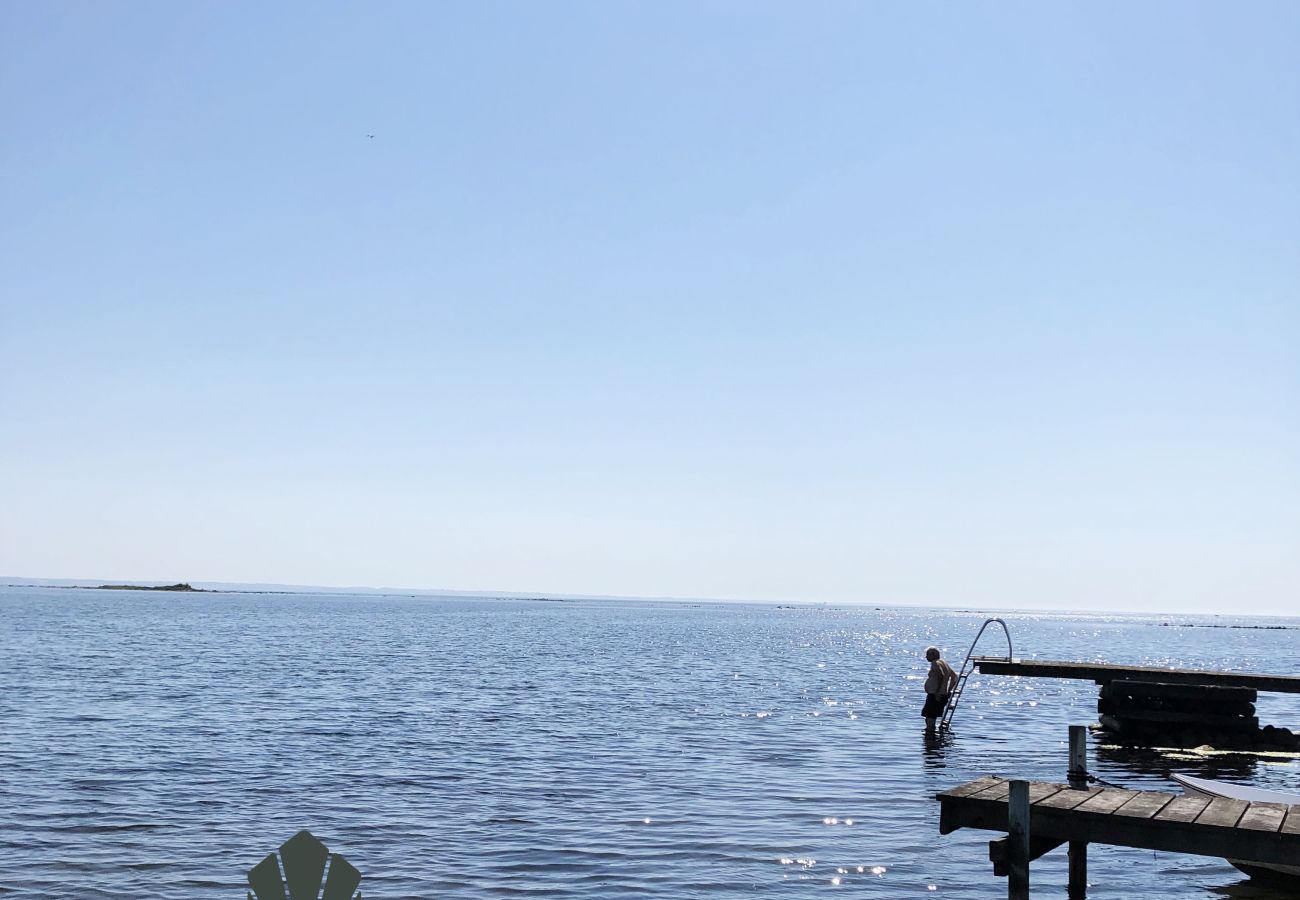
(1018, 841)
(1078, 889)
(1078, 777)
(1078, 774)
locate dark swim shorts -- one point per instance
(934, 704)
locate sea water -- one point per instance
(160, 744)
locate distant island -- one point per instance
(137, 587)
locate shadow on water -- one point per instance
(934, 748)
(1160, 763)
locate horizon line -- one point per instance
(237, 587)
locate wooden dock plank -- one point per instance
(1145, 805)
(1183, 809)
(1106, 802)
(1292, 823)
(1038, 791)
(1068, 798)
(1263, 817)
(999, 791)
(1222, 812)
(1105, 673)
(1043, 790)
(972, 787)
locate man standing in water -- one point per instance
(938, 685)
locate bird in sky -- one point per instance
(371, 136)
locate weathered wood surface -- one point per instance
(1068, 798)
(1263, 817)
(1105, 673)
(1078, 884)
(1118, 706)
(1018, 830)
(1078, 771)
(1145, 805)
(999, 853)
(1163, 717)
(1148, 820)
(1292, 823)
(1164, 691)
(1183, 809)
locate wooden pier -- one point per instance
(1040, 816)
(1146, 705)
(1105, 673)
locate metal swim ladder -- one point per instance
(966, 668)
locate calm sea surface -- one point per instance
(159, 745)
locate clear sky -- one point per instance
(979, 304)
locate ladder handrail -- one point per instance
(955, 697)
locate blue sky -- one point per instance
(980, 305)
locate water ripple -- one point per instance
(161, 745)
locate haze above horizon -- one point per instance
(985, 306)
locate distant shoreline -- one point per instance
(186, 588)
(1216, 625)
(179, 586)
